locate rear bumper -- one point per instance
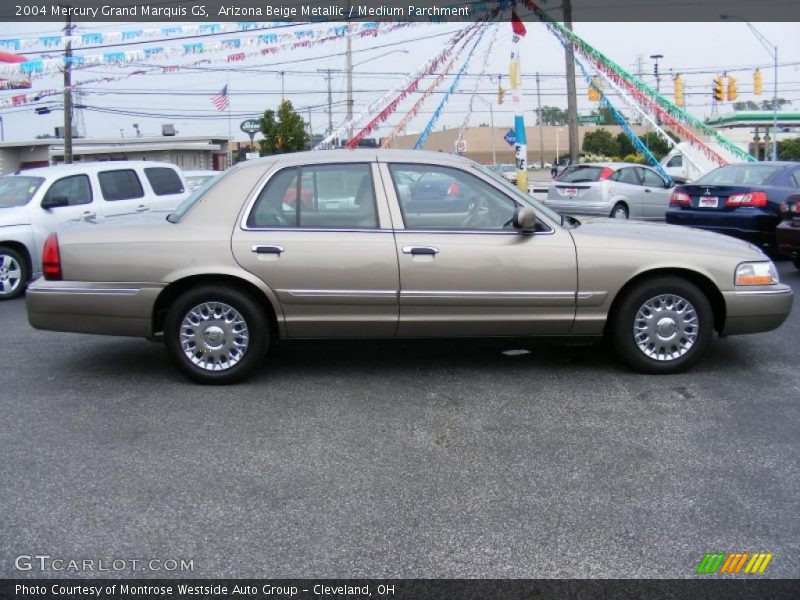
(788, 237)
(90, 307)
(755, 226)
(755, 311)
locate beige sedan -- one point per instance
(326, 245)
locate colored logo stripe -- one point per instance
(732, 563)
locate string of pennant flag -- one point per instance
(238, 48)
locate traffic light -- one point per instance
(594, 89)
(733, 91)
(757, 83)
(501, 94)
(678, 83)
(719, 89)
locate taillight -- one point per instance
(453, 189)
(605, 173)
(680, 199)
(51, 259)
(757, 199)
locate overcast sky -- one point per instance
(688, 48)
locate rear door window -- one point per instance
(628, 175)
(651, 178)
(123, 184)
(76, 189)
(164, 181)
(580, 174)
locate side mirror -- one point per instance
(524, 219)
(54, 202)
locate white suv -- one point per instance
(36, 202)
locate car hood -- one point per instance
(14, 215)
(629, 235)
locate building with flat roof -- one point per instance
(194, 153)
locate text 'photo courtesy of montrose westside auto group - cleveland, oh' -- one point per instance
(430, 300)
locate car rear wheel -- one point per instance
(663, 325)
(216, 335)
(620, 211)
(13, 274)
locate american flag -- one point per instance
(221, 101)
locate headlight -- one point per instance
(756, 273)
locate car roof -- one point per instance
(357, 155)
(610, 164)
(93, 167)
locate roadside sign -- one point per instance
(589, 119)
(251, 126)
(461, 146)
(510, 137)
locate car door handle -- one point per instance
(142, 208)
(646, 190)
(267, 249)
(424, 250)
(88, 215)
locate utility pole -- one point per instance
(283, 89)
(329, 76)
(348, 67)
(572, 93)
(539, 121)
(68, 91)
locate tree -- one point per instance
(624, 145)
(769, 104)
(789, 149)
(552, 115)
(600, 141)
(284, 131)
(746, 105)
(656, 144)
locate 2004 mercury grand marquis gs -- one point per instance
(331, 245)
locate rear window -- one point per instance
(740, 175)
(18, 190)
(580, 174)
(120, 185)
(164, 181)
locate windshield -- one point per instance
(739, 175)
(508, 168)
(527, 198)
(580, 174)
(185, 206)
(17, 190)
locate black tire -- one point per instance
(796, 262)
(626, 316)
(620, 208)
(14, 273)
(214, 298)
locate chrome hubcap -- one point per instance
(620, 214)
(10, 274)
(665, 327)
(214, 336)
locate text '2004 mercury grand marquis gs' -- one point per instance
(332, 245)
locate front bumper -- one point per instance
(757, 310)
(124, 309)
(576, 207)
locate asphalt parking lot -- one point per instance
(406, 459)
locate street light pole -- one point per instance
(491, 125)
(772, 49)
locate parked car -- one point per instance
(788, 231)
(618, 190)
(509, 171)
(424, 192)
(742, 200)
(197, 179)
(234, 268)
(36, 202)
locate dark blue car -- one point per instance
(745, 200)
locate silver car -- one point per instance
(257, 256)
(618, 190)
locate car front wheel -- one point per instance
(216, 335)
(13, 274)
(663, 325)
